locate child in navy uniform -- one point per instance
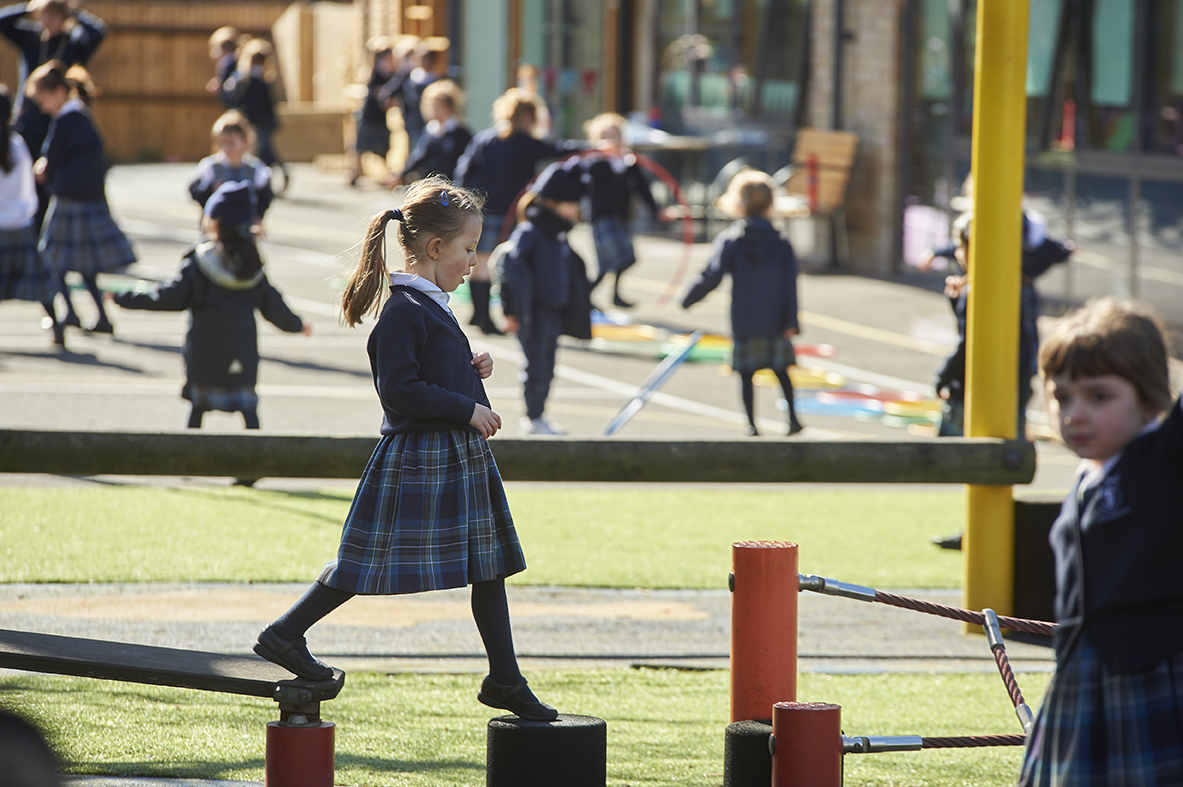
(254, 97)
(613, 176)
(1112, 712)
(373, 133)
(430, 511)
(544, 287)
(763, 273)
(221, 283)
(444, 139)
(499, 162)
(223, 50)
(79, 233)
(22, 274)
(234, 136)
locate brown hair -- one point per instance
(596, 127)
(511, 109)
(432, 208)
(1109, 336)
(749, 194)
(234, 122)
(225, 38)
(445, 91)
(256, 52)
(54, 75)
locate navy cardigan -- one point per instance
(501, 168)
(76, 165)
(1117, 561)
(763, 272)
(422, 366)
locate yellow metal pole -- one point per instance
(999, 131)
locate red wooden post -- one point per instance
(299, 756)
(811, 185)
(763, 627)
(806, 744)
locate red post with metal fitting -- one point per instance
(764, 591)
(806, 744)
(299, 755)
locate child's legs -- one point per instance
(747, 388)
(319, 600)
(92, 286)
(539, 368)
(250, 417)
(195, 416)
(786, 385)
(71, 316)
(490, 611)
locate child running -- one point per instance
(763, 273)
(233, 136)
(1111, 715)
(79, 233)
(430, 511)
(614, 176)
(544, 287)
(221, 283)
(22, 274)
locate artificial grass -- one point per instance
(665, 727)
(655, 537)
(604, 536)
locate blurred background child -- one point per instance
(223, 50)
(22, 274)
(79, 233)
(544, 287)
(373, 133)
(445, 137)
(763, 272)
(613, 178)
(254, 95)
(232, 162)
(221, 283)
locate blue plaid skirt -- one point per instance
(430, 513)
(226, 400)
(372, 138)
(23, 276)
(614, 247)
(752, 353)
(82, 236)
(1100, 728)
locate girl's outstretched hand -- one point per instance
(483, 363)
(485, 420)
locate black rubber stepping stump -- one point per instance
(571, 751)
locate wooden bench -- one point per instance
(815, 183)
(299, 743)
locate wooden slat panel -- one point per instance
(832, 148)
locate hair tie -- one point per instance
(394, 215)
(444, 198)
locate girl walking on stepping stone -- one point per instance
(430, 512)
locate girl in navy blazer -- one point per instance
(1112, 712)
(430, 511)
(763, 273)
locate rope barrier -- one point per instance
(998, 648)
(974, 741)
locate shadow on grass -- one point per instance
(270, 500)
(404, 766)
(228, 771)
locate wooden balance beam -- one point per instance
(299, 745)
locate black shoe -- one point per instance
(951, 541)
(103, 325)
(247, 482)
(517, 699)
(795, 427)
(292, 656)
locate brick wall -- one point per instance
(870, 108)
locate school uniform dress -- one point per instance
(221, 349)
(763, 271)
(373, 134)
(23, 276)
(213, 171)
(1113, 713)
(253, 98)
(612, 181)
(430, 511)
(500, 168)
(79, 233)
(439, 148)
(407, 85)
(544, 285)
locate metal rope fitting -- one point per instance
(871, 744)
(833, 587)
(993, 630)
(1026, 717)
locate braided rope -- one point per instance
(964, 615)
(1008, 677)
(973, 741)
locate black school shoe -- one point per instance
(517, 699)
(292, 656)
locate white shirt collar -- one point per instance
(437, 129)
(73, 105)
(430, 289)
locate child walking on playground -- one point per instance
(614, 176)
(430, 511)
(233, 136)
(221, 283)
(544, 287)
(763, 272)
(79, 233)
(444, 139)
(1111, 713)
